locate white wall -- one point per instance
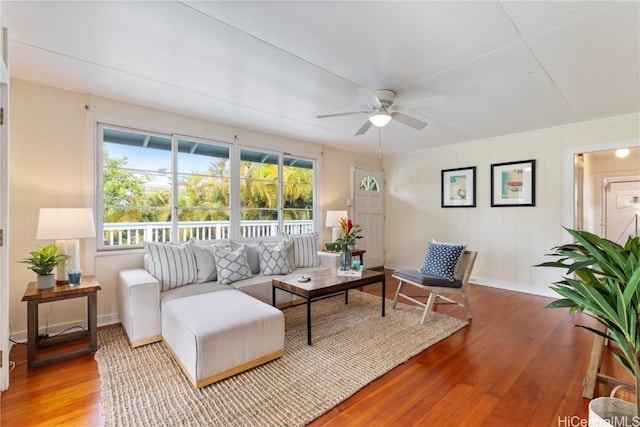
(509, 240)
(52, 164)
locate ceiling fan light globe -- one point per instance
(380, 119)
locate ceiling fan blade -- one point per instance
(370, 96)
(364, 128)
(409, 121)
(418, 102)
(348, 113)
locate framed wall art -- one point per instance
(513, 184)
(459, 188)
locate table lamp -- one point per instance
(66, 226)
(333, 220)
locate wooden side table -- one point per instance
(89, 288)
(360, 253)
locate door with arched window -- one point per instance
(368, 211)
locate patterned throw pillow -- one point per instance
(441, 259)
(273, 260)
(172, 265)
(305, 250)
(232, 266)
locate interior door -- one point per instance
(368, 212)
(622, 207)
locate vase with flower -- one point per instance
(349, 233)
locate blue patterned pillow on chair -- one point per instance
(441, 259)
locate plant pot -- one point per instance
(611, 411)
(46, 281)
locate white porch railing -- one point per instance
(133, 233)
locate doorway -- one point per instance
(368, 212)
(587, 169)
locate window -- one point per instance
(169, 188)
(136, 187)
(297, 195)
(271, 184)
(369, 183)
(204, 190)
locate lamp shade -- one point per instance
(65, 223)
(333, 218)
(380, 118)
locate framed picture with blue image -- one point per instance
(459, 188)
(513, 184)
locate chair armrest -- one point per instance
(329, 259)
(139, 298)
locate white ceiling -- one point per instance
(504, 67)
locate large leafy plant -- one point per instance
(44, 259)
(603, 281)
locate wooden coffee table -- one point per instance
(323, 283)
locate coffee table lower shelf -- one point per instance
(324, 283)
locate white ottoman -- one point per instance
(219, 334)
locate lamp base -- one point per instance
(70, 247)
(335, 233)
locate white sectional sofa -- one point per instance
(142, 294)
(211, 303)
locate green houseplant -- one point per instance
(603, 281)
(42, 261)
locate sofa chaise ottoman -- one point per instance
(219, 334)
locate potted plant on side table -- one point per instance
(350, 232)
(42, 261)
(603, 281)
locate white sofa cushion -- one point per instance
(273, 260)
(171, 265)
(232, 266)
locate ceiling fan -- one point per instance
(381, 108)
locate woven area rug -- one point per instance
(352, 346)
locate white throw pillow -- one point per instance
(252, 255)
(305, 250)
(232, 266)
(172, 265)
(273, 260)
(205, 261)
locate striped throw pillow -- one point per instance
(172, 265)
(305, 250)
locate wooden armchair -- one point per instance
(438, 286)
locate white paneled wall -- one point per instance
(509, 240)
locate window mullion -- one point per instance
(234, 198)
(175, 236)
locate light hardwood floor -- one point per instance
(517, 364)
